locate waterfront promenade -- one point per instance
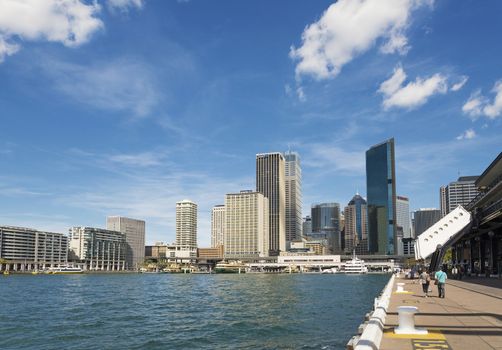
(469, 317)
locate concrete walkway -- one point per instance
(469, 317)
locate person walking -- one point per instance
(454, 272)
(441, 277)
(425, 280)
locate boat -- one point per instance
(6, 273)
(355, 265)
(64, 269)
(331, 270)
(230, 267)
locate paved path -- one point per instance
(470, 317)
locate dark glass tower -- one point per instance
(381, 190)
(326, 220)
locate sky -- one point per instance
(124, 107)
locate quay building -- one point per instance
(97, 249)
(479, 247)
(26, 249)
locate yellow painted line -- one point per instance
(405, 292)
(433, 334)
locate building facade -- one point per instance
(270, 181)
(460, 192)
(307, 226)
(186, 224)
(356, 226)
(381, 190)
(425, 218)
(247, 225)
(28, 249)
(134, 231)
(293, 186)
(217, 226)
(98, 249)
(326, 220)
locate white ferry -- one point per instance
(355, 265)
(64, 269)
(230, 267)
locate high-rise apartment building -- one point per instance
(326, 220)
(28, 249)
(98, 249)
(246, 225)
(186, 224)
(460, 192)
(356, 226)
(270, 181)
(217, 226)
(293, 176)
(381, 189)
(134, 231)
(425, 218)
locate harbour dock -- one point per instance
(469, 317)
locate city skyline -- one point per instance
(149, 103)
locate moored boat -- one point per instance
(64, 269)
(355, 265)
(231, 267)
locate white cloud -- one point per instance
(413, 94)
(122, 85)
(301, 94)
(467, 135)
(69, 22)
(145, 159)
(349, 28)
(124, 5)
(460, 84)
(478, 105)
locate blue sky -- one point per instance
(123, 107)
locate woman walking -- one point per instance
(425, 280)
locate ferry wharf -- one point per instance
(469, 317)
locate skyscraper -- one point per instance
(293, 176)
(270, 181)
(186, 224)
(246, 225)
(356, 225)
(425, 218)
(381, 188)
(218, 226)
(403, 222)
(460, 192)
(307, 226)
(134, 231)
(326, 220)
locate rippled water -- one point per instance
(162, 311)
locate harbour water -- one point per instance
(166, 311)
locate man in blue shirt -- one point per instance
(440, 277)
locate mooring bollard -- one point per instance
(400, 288)
(406, 320)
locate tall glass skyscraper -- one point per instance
(326, 220)
(381, 190)
(356, 225)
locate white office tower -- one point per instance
(134, 231)
(247, 225)
(403, 220)
(186, 224)
(270, 181)
(293, 176)
(460, 192)
(218, 226)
